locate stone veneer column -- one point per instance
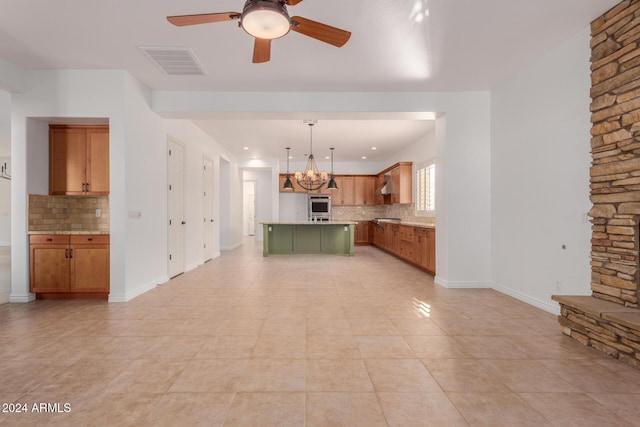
(615, 144)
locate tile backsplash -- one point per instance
(68, 213)
(406, 212)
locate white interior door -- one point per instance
(207, 204)
(176, 209)
(249, 191)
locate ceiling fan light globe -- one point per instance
(265, 20)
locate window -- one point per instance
(426, 190)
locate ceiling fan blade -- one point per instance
(326, 33)
(202, 18)
(292, 2)
(261, 50)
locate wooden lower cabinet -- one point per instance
(415, 245)
(425, 253)
(69, 266)
(361, 236)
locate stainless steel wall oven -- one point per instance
(319, 207)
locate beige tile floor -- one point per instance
(306, 341)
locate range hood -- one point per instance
(386, 188)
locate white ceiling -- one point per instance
(461, 45)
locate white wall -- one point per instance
(198, 145)
(138, 142)
(420, 151)
(139, 168)
(540, 173)
(5, 206)
(5, 156)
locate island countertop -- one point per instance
(309, 223)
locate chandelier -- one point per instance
(311, 178)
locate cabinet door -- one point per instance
(403, 189)
(359, 197)
(97, 161)
(379, 197)
(369, 190)
(362, 232)
(348, 190)
(89, 262)
(49, 268)
(395, 186)
(394, 243)
(364, 190)
(67, 160)
(431, 251)
(89, 268)
(421, 248)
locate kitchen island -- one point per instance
(308, 237)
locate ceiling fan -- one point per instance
(267, 20)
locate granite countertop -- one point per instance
(67, 232)
(309, 223)
(418, 224)
(402, 222)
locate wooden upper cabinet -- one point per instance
(67, 158)
(365, 190)
(347, 191)
(345, 194)
(401, 183)
(78, 160)
(98, 161)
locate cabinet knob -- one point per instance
(90, 239)
(49, 239)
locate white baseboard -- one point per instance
(135, 293)
(548, 306)
(22, 298)
(461, 285)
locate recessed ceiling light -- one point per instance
(364, 157)
(374, 148)
(245, 148)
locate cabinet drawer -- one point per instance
(90, 239)
(406, 233)
(420, 231)
(49, 239)
(406, 250)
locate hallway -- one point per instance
(305, 341)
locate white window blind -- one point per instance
(426, 190)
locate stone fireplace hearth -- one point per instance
(609, 319)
